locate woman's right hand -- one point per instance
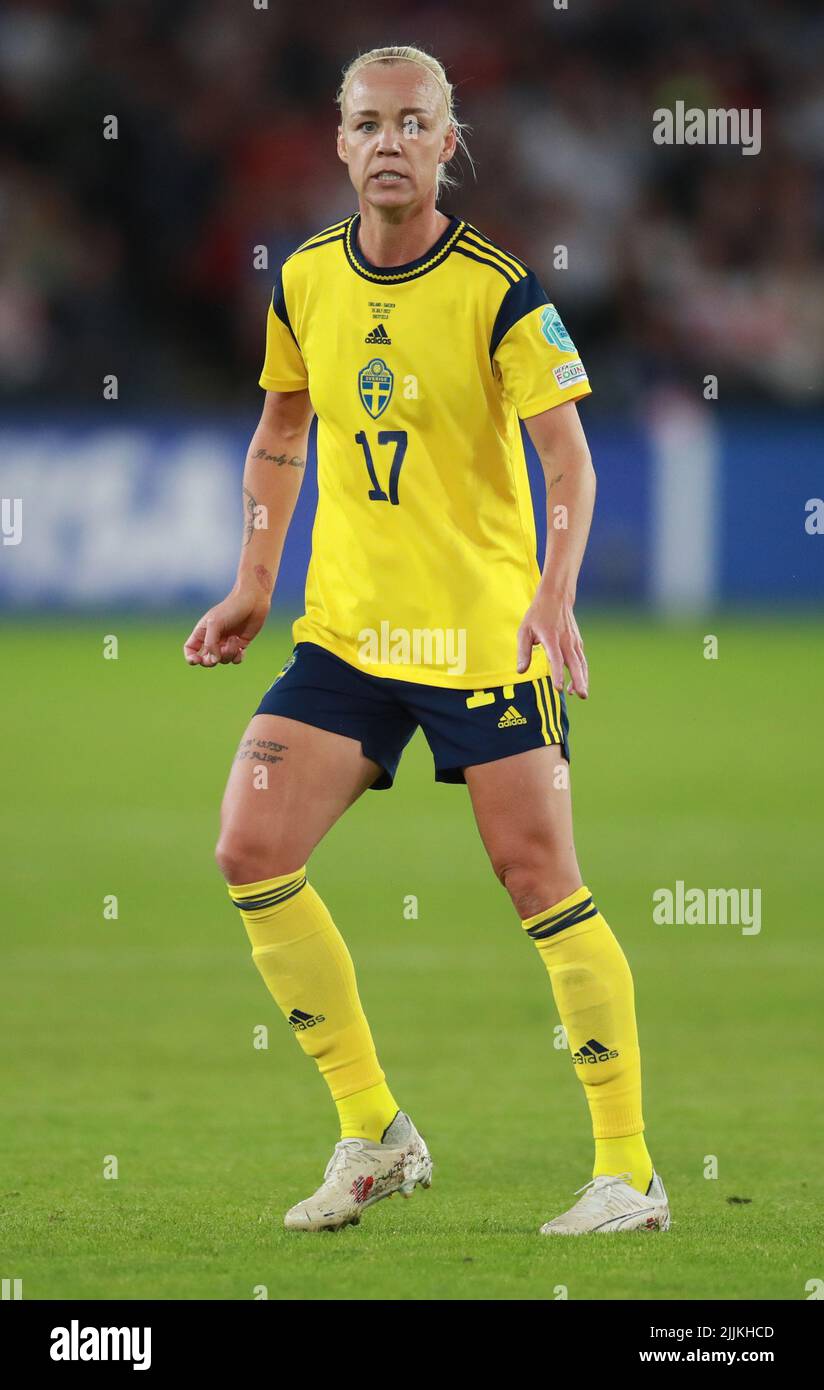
(222, 635)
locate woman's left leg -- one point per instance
(523, 808)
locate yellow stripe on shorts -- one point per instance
(554, 708)
(539, 702)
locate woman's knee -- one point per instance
(243, 857)
(536, 880)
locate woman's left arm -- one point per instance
(570, 496)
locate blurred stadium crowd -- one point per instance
(135, 255)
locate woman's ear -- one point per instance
(450, 144)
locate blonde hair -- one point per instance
(405, 53)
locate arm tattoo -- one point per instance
(555, 480)
(250, 509)
(279, 459)
(264, 578)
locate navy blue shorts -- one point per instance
(462, 727)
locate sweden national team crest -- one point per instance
(283, 670)
(553, 329)
(375, 383)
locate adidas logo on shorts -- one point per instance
(510, 718)
(379, 335)
(298, 1020)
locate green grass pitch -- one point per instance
(133, 1037)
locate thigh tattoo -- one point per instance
(261, 750)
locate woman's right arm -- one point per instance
(275, 464)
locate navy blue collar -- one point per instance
(391, 274)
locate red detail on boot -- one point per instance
(361, 1188)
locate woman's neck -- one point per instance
(394, 236)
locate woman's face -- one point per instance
(394, 133)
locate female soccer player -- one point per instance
(419, 343)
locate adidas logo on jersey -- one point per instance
(379, 335)
(510, 718)
(593, 1051)
(298, 1020)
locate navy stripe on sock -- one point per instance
(560, 921)
(271, 898)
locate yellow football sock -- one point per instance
(593, 991)
(367, 1114)
(309, 972)
(626, 1155)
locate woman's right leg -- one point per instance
(289, 783)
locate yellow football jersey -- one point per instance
(423, 550)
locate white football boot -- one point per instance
(610, 1204)
(361, 1172)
